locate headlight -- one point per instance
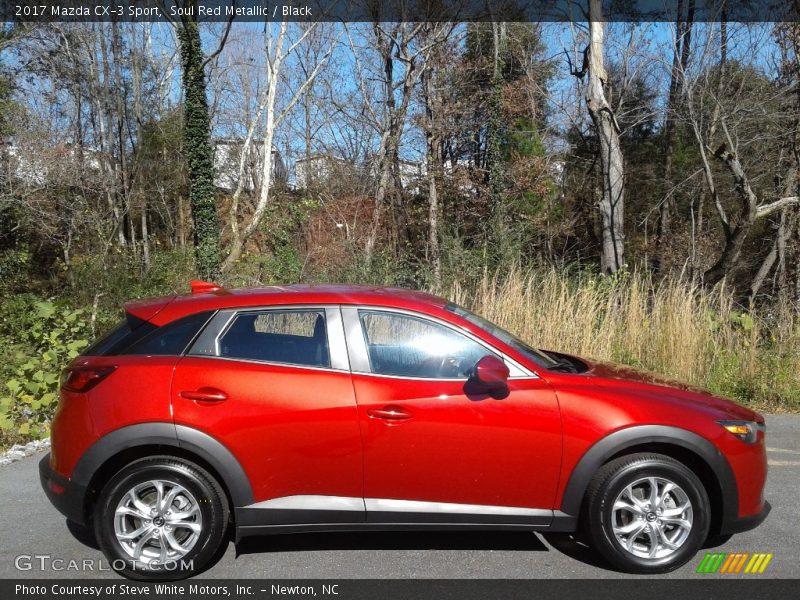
(747, 431)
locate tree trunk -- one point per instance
(307, 126)
(735, 241)
(433, 230)
(611, 161)
(145, 240)
(433, 141)
(763, 271)
(101, 109)
(387, 188)
(197, 145)
(498, 234)
(180, 228)
(391, 46)
(124, 183)
(680, 60)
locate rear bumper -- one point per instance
(746, 523)
(65, 495)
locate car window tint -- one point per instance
(296, 337)
(408, 346)
(171, 339)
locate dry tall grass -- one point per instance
(671, 327)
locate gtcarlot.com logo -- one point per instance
(736, 562)
(47, 562)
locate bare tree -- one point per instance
(751, 207)
(278, 48)
(612, 168)
(732, 107)
(399, 62)
(435, 37)
(680, 60)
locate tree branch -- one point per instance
(768, 209)
(222, 42)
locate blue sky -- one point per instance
(652, 42)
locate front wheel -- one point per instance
(647, 513)
(161, 518)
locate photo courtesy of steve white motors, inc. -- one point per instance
(395, 299)
(133, 589)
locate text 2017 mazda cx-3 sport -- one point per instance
(309, 408)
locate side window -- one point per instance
(408, 346)
(172, 338)
(295, 337)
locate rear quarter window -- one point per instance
(171, 339)
(138, 337)
(119, 337)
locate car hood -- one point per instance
(650, 385)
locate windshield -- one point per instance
(535, 355)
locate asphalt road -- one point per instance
(29, 526)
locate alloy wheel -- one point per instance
(651, 518)
(157, 522)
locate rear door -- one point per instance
(273, 385)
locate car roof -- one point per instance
(160, 311)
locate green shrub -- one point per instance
(39, 337)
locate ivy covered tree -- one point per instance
(507, 71)
(197, 140)
(197, 146)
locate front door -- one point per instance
(435, 449)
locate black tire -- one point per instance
(598, 515)
(212, 514)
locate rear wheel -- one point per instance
(161, 518)
(647, 513)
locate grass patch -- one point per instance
(673, 328)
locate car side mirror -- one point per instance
(491, 373)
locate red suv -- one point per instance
(309, 408)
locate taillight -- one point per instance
(82, 379)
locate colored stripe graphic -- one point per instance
(764, 564)
(758, 563)
(704, 563)
(722, 562)
(726, 566)
(754, 563)
(711, 563)
(740, 563)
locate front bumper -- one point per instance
(67, 496)
(746, 523)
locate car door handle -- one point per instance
(205, 394)
(389, 413)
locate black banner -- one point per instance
(388, 10)
(422, 589)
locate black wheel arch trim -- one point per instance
(637, 435)
(197, 442)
